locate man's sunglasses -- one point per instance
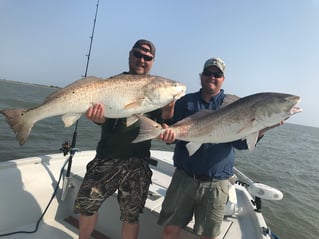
(215, 74)
(140, 56)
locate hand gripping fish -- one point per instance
(242, 119)
(123, 96)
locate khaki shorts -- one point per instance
(131, 177)
(186, 197)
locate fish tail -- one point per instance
(149, 129)
(18, 122)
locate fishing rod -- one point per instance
(66, 147)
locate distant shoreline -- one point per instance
(25, 83)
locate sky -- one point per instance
(268, 46)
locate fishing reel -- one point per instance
(67, 148)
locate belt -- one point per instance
(203, 178)
(150, 160)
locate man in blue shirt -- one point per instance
(200, 183)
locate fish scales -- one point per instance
(122, 96)
(242, 119)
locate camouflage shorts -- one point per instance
(131, 177)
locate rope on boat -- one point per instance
(45, 210)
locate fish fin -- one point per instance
(134, 104)
(149, 129)
(19, 123)
(251, 140)
(192, 147)
(228, 99)
(131, 120)
(70, 118)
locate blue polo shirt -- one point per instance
(213, 160)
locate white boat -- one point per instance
(28, 184)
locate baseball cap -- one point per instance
(141, 42)
(219, 63)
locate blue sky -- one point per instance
(267, 45)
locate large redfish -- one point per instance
(242, 119)
(122, 95)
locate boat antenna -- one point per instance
(66, 147)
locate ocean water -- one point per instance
(286, 158)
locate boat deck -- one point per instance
(32, 182)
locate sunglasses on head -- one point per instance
(215, 74)
(140, 56)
